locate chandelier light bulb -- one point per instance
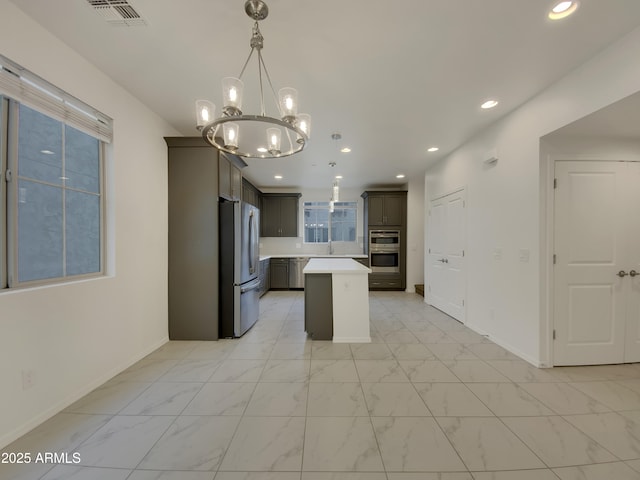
(232, 96)
(304, 124)
(231, 132)
(288, 103)
(273, 141)
(205, 112)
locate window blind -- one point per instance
(26, 87)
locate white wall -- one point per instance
(507, 205)
(75, 336)
(415, 233)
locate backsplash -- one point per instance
(293, 245)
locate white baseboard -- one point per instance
(58, 407)
(510, 348)
(351, 339)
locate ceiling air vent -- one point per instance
(118, 12)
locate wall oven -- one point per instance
(384, 251)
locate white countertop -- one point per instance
(313, 255)
(335, 265)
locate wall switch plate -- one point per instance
(497, 253)
(524, 255)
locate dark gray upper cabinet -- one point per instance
(230, 177)
(279, 214)
(385, 208)
(250, 194)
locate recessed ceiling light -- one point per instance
(262, 149)
(489, 104)
(345, 150)
(433, 149)
(400, 176)
(563, 9)
(46, 152)
(278, 177)
(339, 177)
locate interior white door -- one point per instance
(632, 229)
(592, 246)
(447, 235)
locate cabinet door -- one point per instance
(235, 181)
(270, 217)
(393, 210)
(288, 217)
(376, 210)
(224, 178)
(193, 256)
(280, 274)
(267, 276)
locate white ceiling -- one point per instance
(394, 78)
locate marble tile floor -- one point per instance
(428, 399)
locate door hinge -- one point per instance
(555, 183)
(429, 250)
(554, 258)
(554, 334)
(464, 203)
(463, 253)
(463, 303)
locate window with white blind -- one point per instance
(52, 192)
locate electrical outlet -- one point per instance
(28, 379)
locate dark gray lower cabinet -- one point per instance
(279, 273)
(318, 306)
(265, 273)
(385, 281)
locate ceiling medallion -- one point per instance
(254, 136)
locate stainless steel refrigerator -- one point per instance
(239, 263)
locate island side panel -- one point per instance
(351, 308)
(318, 306)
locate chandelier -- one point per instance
(254, 136)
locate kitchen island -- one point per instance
(336, 300)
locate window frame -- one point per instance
(4, 256)
(11, 210)
(326, 206)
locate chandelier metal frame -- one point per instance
(296, 129)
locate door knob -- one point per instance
(633, 273)
(622, 274)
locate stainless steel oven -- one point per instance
(384, 251)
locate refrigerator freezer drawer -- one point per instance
(246, 315)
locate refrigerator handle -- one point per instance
(252, 267)
(251, 286)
